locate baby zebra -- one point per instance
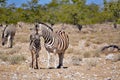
(35, 47)
(55, 42)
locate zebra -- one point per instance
(35, 47)
(8, 35)
(54, 42)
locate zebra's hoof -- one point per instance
(3, 44)
(59, 66)
(10, 46)
(36, 68)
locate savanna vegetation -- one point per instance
(61, 11)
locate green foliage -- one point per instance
(3, 3)
(60, 11)
(113, 7)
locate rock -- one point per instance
(109, 57)
(113, 57)
(14, 77)
(108, 78)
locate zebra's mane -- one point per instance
(46, 26)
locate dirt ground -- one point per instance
(83, 60)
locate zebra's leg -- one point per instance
(11, 42)
(32, 63)
(55, 61)
(61, 56)
(37, 55)
(8, 41)
(48, 65)
(36, 62)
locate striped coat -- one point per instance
(55, 42)
(35, 47)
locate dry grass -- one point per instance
(98, 35)
(16, 59)
(4, 57)
(23, 38)
(9, 55)
(9, 51)
(69, 50)
(12, 59)
(87, 54)
(92, 53)
(76, 60)
(83, 53)
(91, 63)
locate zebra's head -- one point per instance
(38, 28)
(35, 39)
(4, 38)
(43, 27)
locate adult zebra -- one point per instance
(8, 34)
(55, 42)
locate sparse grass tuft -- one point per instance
(16, 59)
(93, 53)
(87, 44)
(10, 50)
(70, 50)
(92, 62)
(96, 53)
(22, 38)
(76, 60)
(87, 54)
(12, 59)
(4, 57)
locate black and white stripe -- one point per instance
(55, 42)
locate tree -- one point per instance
(3, 3)
(113, 7)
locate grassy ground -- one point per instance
(83, 60)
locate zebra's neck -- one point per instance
(47, 35)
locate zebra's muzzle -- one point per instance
(3, 43)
